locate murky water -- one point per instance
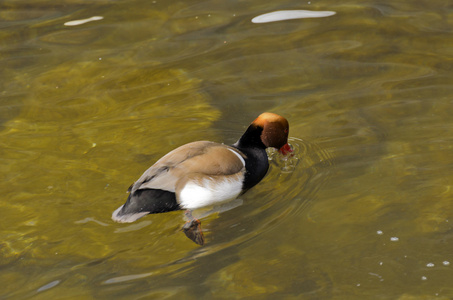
(363, 210)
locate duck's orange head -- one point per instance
(275, 131)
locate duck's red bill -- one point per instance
(285, 149)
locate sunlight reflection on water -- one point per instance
(283, 15)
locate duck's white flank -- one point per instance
(209, 192)
(129, 218)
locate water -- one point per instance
(361, 211)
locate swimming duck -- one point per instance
(203, 173)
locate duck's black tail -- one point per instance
(143, 202)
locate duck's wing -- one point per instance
(202, 158)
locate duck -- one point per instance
(204, 173)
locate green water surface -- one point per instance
(363, 210)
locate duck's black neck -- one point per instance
(256, 161)
(251, 138)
